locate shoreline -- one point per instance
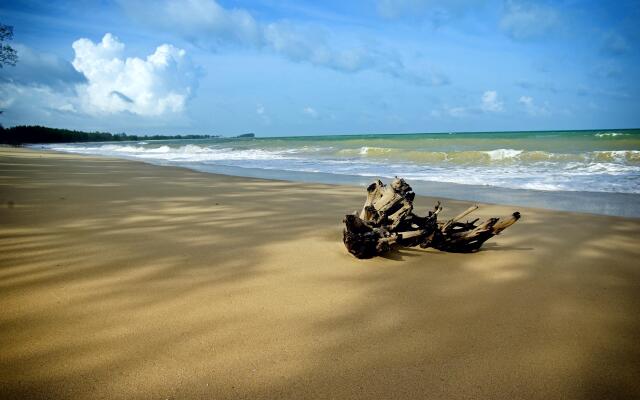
(122, 279)
(626, 205)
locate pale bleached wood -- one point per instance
(387, 221)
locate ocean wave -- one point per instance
(369, 151)
(485, 157)
(610, 134)
(621, 156)
(601, 171)
(188, 152)
(503, 154)
(479, 157)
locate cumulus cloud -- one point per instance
(524, 20)
(47, 89)
(490, 102)
(526, 100)
(161, 83)
(310, 111)
(531, 107)
(207, 24)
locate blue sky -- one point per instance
(333, 67)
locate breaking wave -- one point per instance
(490, 156)
(188, 153)
(592, 170)
(610, 134)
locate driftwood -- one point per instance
(387, 221)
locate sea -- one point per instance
(595, 171)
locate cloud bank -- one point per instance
(209, 25)
(41, 69)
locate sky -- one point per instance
(282, 68)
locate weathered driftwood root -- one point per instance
(387, 221)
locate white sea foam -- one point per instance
(610, 134)
(366, 150)
(503, 154)
(601, 171)
(188, 152)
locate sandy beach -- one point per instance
(123, 280)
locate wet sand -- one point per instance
(126, 280)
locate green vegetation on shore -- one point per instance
(18, 135)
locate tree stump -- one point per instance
(387, 221)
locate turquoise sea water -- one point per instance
(560, 162)
(599, 161)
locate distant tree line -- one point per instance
(18, 135)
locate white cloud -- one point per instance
(310, 111)
(531, 107)
(524, 20)
(491, 102)
(45, 89)
(207, 24)
(527, 101)
(31, 103)
(159, 84)
(262, 113)
(193, 18)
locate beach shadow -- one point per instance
(497, 247)
(407, 253)
(177, 295)
(397, 255)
